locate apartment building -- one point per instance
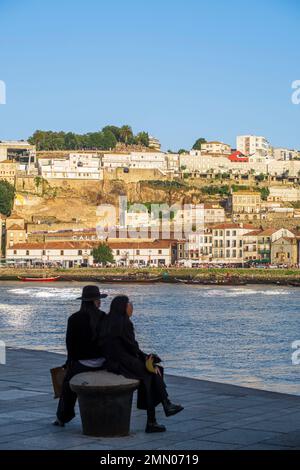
(198, 247)
(252, 144)
(227, 242)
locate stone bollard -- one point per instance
(105, 402)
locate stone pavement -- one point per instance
(216, 416)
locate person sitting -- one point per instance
(123, 356)
(83, 347)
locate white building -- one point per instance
(227, 240)
(75, 166)
(215, 148)
(139, 160)
(76, 253)
(198, 247)
(284, 154)
(252, 145)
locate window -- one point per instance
(27, 252)
(61, 252)
(44, 252)
(159, 252)
(79, 252)
(118, 252)
(137, 252)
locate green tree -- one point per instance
(7, 195)
(103, 254)
(180, 151)
(198, 143)
(126, 134)
(142, 138)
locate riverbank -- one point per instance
(250, 276)
(216, 416)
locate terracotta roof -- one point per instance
(269, 231)
(232, 225)
(14, 215)
(253, 233)
(15, 227)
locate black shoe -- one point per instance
(154, 427)
(57, 422)
(170, 409)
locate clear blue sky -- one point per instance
(178, 69)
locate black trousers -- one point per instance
(155, 389)
(66, 406)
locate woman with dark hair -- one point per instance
(124, 357)
(83, 347)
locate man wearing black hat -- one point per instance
(83, 347)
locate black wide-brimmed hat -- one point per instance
(90, 293)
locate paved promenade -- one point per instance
(216, 416)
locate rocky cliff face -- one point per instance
(69, 199)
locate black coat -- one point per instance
(124, 356)
(79, 339)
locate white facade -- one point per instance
(283, 193)
(252, 144)
(75, 166)
(227, 240)
(140, 160)
(199, 246)
(69, 254)
(284, 154)
(197, 162)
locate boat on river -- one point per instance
(39, 279)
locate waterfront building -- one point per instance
(198, 247)
(252, 145)
(77, 253)
(8, 169)
(15, 230)
(250, 245)
(227, 241)
(285, 250)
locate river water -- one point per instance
(240, 335)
